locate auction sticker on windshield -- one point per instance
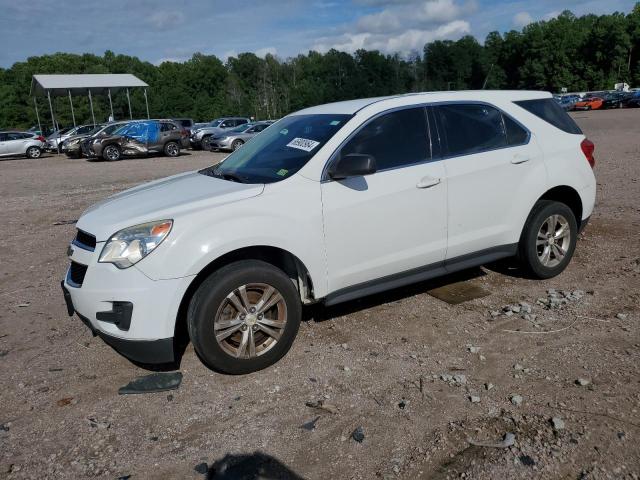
(303, 144)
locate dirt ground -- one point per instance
(424, 379)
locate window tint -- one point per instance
(549, 111)
(167, 127)
(259, 128)
(3, 137)
(395, 139)
(14, 136)
(471, 128)
(516, 135)
(85, 129)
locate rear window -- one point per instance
(549, 111)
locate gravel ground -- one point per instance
(539, 379)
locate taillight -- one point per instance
(40, 138)
(587, 148)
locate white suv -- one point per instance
(329, 204)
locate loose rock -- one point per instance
(358, 434)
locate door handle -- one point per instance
(518, 159)
(427, 182)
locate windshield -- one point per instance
(280, 150)
(96, 130)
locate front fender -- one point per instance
(288, 215)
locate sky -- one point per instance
(172, 30)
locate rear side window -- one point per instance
(516, 135)
(471, 128)
(395, 139)
(549, 111)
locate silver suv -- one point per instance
(29, 144)
(200, 137)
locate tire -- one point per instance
(236, 144)
(33, 152)
(112, 153)
(219, 300)
(172, 149)
(206, 142)
(538, 230)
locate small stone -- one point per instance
(527, 460)
(558, 423)
(473, 349)
(621, 316)
(515, 308)
(23, 305)
(358, 434)
(494, 313)
(488, 386)
(403, 404)
(345, 346)
(482, 358)
(169, 398)
(474, 399)
(508, 314)
(518, 368)
(459, 378)
(525, 307)
(583, 382)
(346, 369)
(202, 468)
(516, 400)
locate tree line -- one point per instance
(590, 52)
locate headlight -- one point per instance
(72, 142)
(127, 247)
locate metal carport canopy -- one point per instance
(101, 83)
(85, 83)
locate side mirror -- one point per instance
(353, 165)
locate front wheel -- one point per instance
(236, 145)
(112, 153)
(34, 152)
(206, 142)
(244, 317)
(172, 149)
(549, 239)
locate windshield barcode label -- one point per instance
(303, 144)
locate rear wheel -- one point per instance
(549, 239)
(34, 152)
(172, 149)
(244, 317)
(236, 144)
(112, 153)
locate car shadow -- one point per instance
(320, 312)
(252, 466)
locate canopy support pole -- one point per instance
(110, 104)
(129, 101)
(53, 117)
(35, 103)
(73, 115)
(91, 105)
(146, 103)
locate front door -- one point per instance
(394, 220)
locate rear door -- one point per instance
(3, 143)
(168, 132)
(15, 143)
(393, 221)
(492, 166)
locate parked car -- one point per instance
(72, 146)
(200, 137)
(186, 123)
(634, 101)
(14, 143)
(54, 141)
(138, 138)
(616, 99)
(567, 101)
(234, 138)
(330, 204)
(589, 103)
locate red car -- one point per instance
(589, 103)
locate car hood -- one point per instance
(212, 130)
(77, 137)
(167, 198)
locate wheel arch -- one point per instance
(567, 195)
(278, 257)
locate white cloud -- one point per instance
(164, 19)
(404, 42)
(263, 52)
(551, 15)
(402, 26)
(522, 19)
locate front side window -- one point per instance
(470, 128)
(280, 151)
(394, 139)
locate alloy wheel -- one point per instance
(553, 240)
(250, 320)
(172, 150)
(112, 153)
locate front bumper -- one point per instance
(220, 144)
(195, 142)
(128, 310)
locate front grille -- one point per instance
(85, 240)
(76, 274)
